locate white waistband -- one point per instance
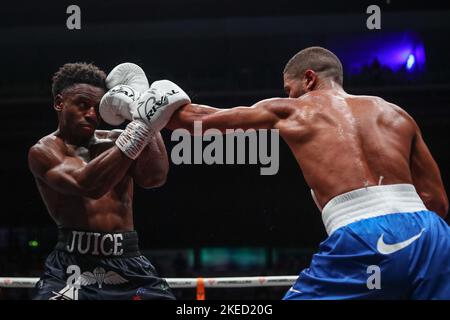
(370, 202)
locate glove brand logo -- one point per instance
(128, 91)
(152, 105)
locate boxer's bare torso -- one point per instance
(85, 181)
(112, 211)
(344, 142)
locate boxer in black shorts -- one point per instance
(93, 265)
(85, 177)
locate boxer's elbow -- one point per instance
(443, 211)
(442, 205)
(438, 205)
(154, 181)
(157, 181)
(91, 191)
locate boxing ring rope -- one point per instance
(225, 282)
(199, 283)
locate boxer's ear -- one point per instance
(58, 102)
(310, 80)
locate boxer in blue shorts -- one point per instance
(371, 174)
(86, 177)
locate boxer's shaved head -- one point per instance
(75, 73)
(322, 61)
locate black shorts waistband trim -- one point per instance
(99, 244)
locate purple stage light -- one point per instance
(410, 62)
(395, 50)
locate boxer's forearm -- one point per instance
(151, 167)
(102, 173)
(186, 116)
(69, 175)
(259, 116)
(107, 169)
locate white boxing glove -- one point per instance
(150, 112)
(115, 105)
(129, 74)
(156, 105)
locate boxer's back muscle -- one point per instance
(344, 142)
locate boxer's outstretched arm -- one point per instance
(71, 175)
(151, 167)
(262, 115)
(427, 177)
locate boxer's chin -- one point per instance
(86, 130)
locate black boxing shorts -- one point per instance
(87, 265)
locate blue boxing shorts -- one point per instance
(94, 265)
(383, 244)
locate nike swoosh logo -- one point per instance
(385, 248)
(293, 290)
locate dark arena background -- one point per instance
(211, 220)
